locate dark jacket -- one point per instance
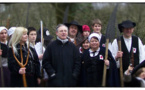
(4, 48)
(32, 67)
(94, 67)
(63, 60)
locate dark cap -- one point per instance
(126, 24)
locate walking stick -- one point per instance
(21, 63)
(110, 32)
(2, 77)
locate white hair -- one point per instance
(59, 25)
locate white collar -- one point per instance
(5, 42)
(127, 38)
(92, 54)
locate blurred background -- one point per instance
(30, 14)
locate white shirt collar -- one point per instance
(127, 38)
(96, 53)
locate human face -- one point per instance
(73, 30)
(142, 75)
(32, 36)
(62, 32)
(3, 35)
(86, 44)
(94, 43)
(97, 28)
(24, 37)
(86, 33)
(127, 32)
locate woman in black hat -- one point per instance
(129, 44)
(74, 32)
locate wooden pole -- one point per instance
(105, 67)
(121, 66)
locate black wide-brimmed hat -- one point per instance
(74, 23)
(126, 24)
(136, 68)
(46, 34)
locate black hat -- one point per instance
(46, 34)
(74, 23)
(136, 68)
(126, 24)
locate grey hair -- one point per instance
(59, 25)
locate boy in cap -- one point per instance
(86, 31)
(129, 44)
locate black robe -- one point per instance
(32, 67)
(4, 48)
(94, 69)
(63, 60)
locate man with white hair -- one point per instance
(61, 60)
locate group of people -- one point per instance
(77, 58)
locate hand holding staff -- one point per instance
(22, 70)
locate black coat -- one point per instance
(32, 67)
(4, 48)
(63, 60)
(94, 69)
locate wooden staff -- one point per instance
(121, 66)
(105, 67)
(21, 63)
(109, 35)
(2, 77)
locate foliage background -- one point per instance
(30, 14)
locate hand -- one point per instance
(40, 56)
(119, 55)
(38, 80)
(129, 69)
(0, 52)
(106, 62)
(22, 70)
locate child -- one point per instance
(86, 31)
(136, 78)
